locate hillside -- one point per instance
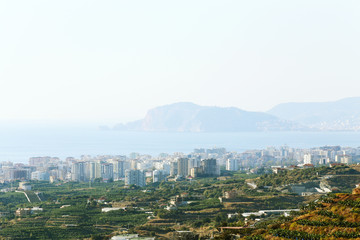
(189, 117)
(201, 206)
(335, 216)
(341, 178)
(338, 115)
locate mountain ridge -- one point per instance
(340, 115)
(190, 117)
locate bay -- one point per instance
(18, 144)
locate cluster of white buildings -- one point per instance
(137, 169)
(335, 154)
(286, 156)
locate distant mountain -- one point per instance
(342, 115)
(189, 117)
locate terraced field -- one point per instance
(336, 216)
(32, 196)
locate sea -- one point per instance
(18, 144)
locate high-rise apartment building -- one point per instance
(16, 174)
(183, 167)
(232, 164)
(193, 163)
(210, 167)
(307, 158)
(173, 169)
(78, 171)
(40, 176)
(159, 175)
(119, 169)
(134, 164)
(107, 171)
(135, 177)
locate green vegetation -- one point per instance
(310, 174)
(74, 210)
(331, 217)
(295, 234)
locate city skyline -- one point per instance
(201, 162)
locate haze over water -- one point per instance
(18, 145)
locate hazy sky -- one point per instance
(110, 61)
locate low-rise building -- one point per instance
(21, 212)
(24, 186)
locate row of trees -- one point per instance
(285, 233)
(328, 223)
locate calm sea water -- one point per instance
(18, 144)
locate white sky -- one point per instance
(110, 61)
